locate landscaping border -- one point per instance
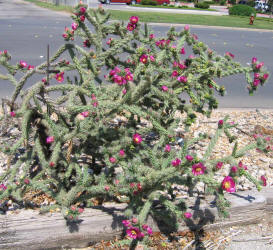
(27, 229)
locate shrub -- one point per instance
(251, 3)
(201, 5)
(148, 2)
(241, 10)
(183, 7)
(232, 2)
(113, 136)
(209, 2)
(223, 2)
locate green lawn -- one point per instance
(172, 7)
(157, 17)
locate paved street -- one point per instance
(26, 30)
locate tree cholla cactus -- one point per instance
(113, 136)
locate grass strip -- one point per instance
(183, 7)
(157, 17)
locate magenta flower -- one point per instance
(95, 104)
(149, 231)
(112, 159)
(175, 73)
(26, 181)
(49, 139)
(182, 79)
(134, 19)
(256, 75)
(228, 184)
(30, 67)
(3, 187)
(254, 60)
(131, 26)
(176, 162)
(86, 44)
(263, 180)
(188, 215)
(265, 76)
(65, 36)
(59, 77)
(133, 232)
(182, 51)
(82, 10)
(137, 138)
(234, 169)
(198, 169)
(167, 148)
(164, 88)
(23, 64)
(12, 114)
(152, 59)
(118, 79)
(175, 64)
(186, 27)
(134, 220)
(126, 223)
(152, 36)
(74, 26)
(229, 54)
(189, 158)
(145, 226)
(258, 66)
(85, 113)
(219, 165)
(182, 66)
(129, 77)
(109, 41)
(143, 59)
(256, 82)
(121, 153)
(220, 123)
(82, 18)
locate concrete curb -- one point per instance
(29, 230)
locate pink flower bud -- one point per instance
(80, 210)
(74, 26)
(106, 188)
(220, 123)
(265, 76)
(51, 164)
(254, 60)
(134, 220)
(82, 18)
(112, 159)
(164, 88)
(219, 165)
(189, 158)
(186, 27)
(182, 51)
(188, 215)
(26, 181)
(73, 208)
(124, 91)
(49, 139)
(121, 153)
(82, 10)
(12, 114)
(234, 169)
(167, 148)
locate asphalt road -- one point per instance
(25, 31)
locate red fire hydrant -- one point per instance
(251, 19)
